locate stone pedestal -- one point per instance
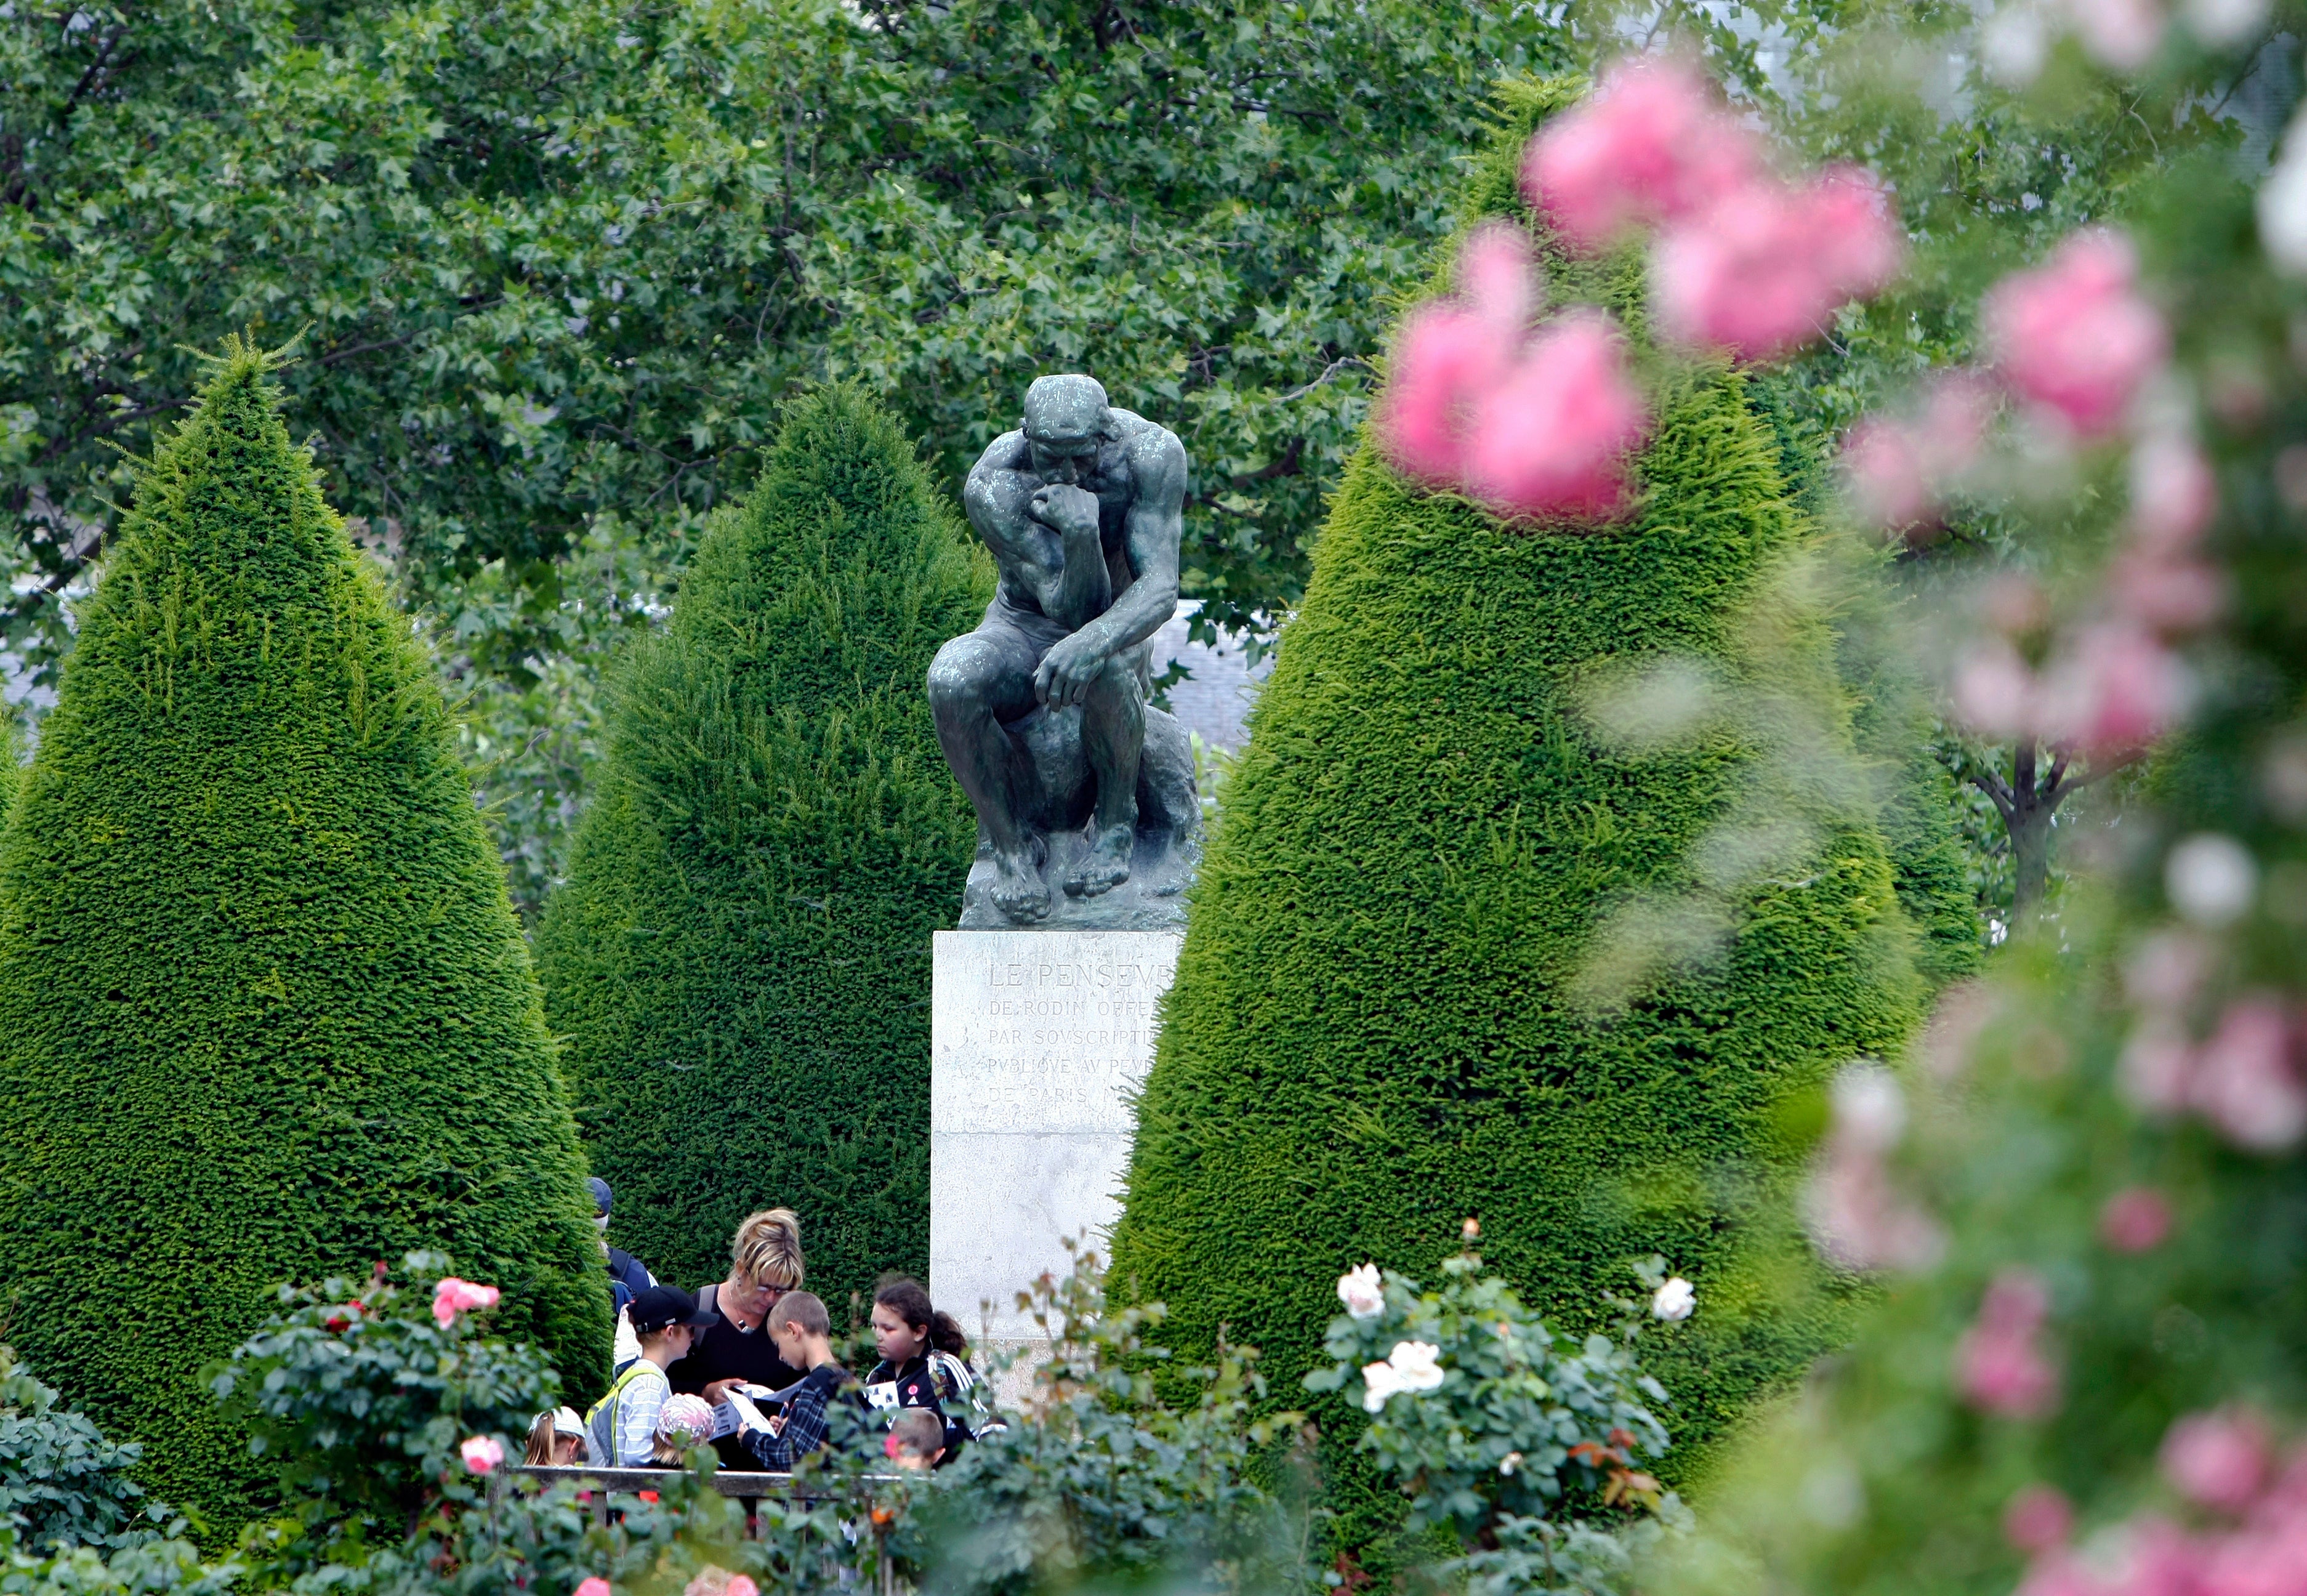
(1038, 1042)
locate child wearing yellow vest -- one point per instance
(620, 1431)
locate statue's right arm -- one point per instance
(998, 500)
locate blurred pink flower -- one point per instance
(2136, 1219)
(1552, 440)
(2074, 336)
(1764, 269)
(2165, 592)
(1995, 692)
(2219, 1459)
(1448, 361)
(1540, 429)
(481, 1453)
(2039, 1520)
(1497, 272)
(452, 1297)
(2174, 493)
(2167, 969)
(1884, 474)
(2122, 35)
(1855, 1213)
(2014, 603)
(1653, 143)
(594, 1586)
(2115, 689)
(742, 1586)
(2246, 1080)
(1896, 468)
(1998, 1367)
(2158, 1067)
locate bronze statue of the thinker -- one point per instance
(1078, 782)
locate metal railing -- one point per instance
(746, 1487)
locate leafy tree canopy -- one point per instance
(560, 259)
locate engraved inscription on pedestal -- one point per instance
(1039, 1041)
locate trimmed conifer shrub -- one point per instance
(265, 1013)
(1380, 1025)
(12, 757)
(739, 961)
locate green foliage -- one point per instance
(571, 255)
(62, 1484)
(12, 757)
(360, 1395)
(172, 1565)
(741, 960)
(1098, 1480)
(2095, 1120)
(1511, 1421)
(264, 1010)
(1448, 956)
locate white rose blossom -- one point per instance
(1363, 1292)
(1380, 1381)
(1674, 1301)
(1414, 1365)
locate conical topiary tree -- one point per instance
(1385, 1018)
(264, 1010)
(740, 958)
(12, 756)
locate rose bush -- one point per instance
(1526, 1452)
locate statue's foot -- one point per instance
(1019, 890)
(1105, 866)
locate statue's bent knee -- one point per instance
(956, 677)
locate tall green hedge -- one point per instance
(264, 1010)
(1376, 1030)
(740, 958)
(12, 756)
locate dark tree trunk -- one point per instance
(2028, 806)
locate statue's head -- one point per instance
(1065, 420)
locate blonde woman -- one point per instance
(765, 1263)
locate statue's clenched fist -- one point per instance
(1071, 511)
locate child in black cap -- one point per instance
(620, 1431)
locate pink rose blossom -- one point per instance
(1498, 274)
(742, 1586)
(2166, 593)
(2115, 689)
(1763, 269)
(2014, 603)
(1530, 423)
(1855, 1213)
(1653, 143)
(452, 1297)
(1995, 692)
(1884, 474)
(2120, 35)
(2074, 336)
(1896, 469)
(2158, 1067)
(2168, 969)
(2039, 1520)
(2218, 1459)
(2174, 493)
(2136, 1219)
(594, 1586)
(1552, 440)
(1448, 362)
(481, 1453)
(1998, 1366)
(2247, 1079)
